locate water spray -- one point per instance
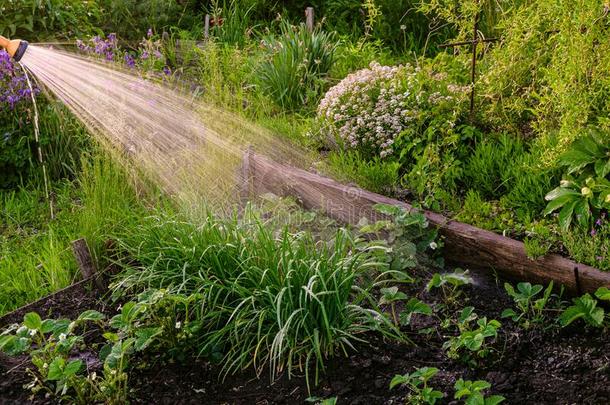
(16, 48)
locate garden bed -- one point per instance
(529, 366)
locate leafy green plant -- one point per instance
(586, 191)
(273, 300)
(530, 310)
(471, 392)
(586, 308)
(293, 72)
(50, 342)
(417, 383)
(449, 284)
(34, 19)
(412, 307)
(409, 233)
(473, 341)
(390, 296)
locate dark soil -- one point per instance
(537, 366)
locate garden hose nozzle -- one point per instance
(15, 48)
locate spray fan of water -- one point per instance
(192, 150)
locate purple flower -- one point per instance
(158, 54)
(13, 85)
(130, 61)
(599, 258)
(145, 55)
(149, 33)
(167, 70)
(593, 232)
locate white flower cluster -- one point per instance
(370, 108)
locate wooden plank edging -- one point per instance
(464, 244)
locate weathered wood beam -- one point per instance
(464, 244)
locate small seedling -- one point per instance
(472, 342)
(450, 284)
(414, 306)
(391, 296)
(586, 308)
(529, 310)
(417, 383)
(471, 392)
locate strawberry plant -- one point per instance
(473, 341)
(471, 392)
(529, 309)
(417, 383)
(586, 308)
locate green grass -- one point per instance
(272, 300)
(35, 251)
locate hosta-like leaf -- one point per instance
(602, 167)
(565, 215)
(559, 192)
(560, 201)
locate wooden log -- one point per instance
(465, 244)
(309, 18)
(206, 28)
(86, 265)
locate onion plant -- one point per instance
(270, 299)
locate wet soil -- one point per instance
(535, 366)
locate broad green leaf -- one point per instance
(570, 315)
(56, 369)
(560, 201)
(47, 326)
(146, 336)
(603, 293)
(399, 380)
(494, 400)
(32, 321)
(91, 315)
(560, 192)
(73, 367)
(565, 215)
(602, 167)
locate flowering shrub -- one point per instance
(371, 108)
(406, 114)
